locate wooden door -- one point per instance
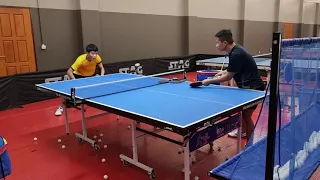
(16, 42)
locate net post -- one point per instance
(73, 96)
(273, 105)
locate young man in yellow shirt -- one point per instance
(84, 66)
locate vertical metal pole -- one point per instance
(134, 141)
(239, 133)
(84, 127)
(186, 162)
(65, 110)
(273, 106)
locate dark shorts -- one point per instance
(79, 76)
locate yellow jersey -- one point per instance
(83, 67)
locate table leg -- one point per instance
(64, 106)
(239, 133)
(126, 160)
(186, 162)
(84, 136)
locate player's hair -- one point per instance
(225, 35)
(91, 47)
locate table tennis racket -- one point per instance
(196, 84)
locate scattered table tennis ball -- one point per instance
(101, 135)
(105, 146)
(99, 140)
(35, 138)
(63, 146)
(94, 137)
(103, 160)
(129, 127)
(105, 177)
(196, 178)
(59, 140)
(137, 64)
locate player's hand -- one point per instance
(206, 82)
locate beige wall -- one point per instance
(128, 30)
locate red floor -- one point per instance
(44, 159)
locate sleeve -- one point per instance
(77, 63)
(98, 60)
(235, 63)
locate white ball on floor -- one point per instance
(103, 160)
(101, 135)
(99, 140)
(63, 146)
(105, 146)
(95, 137)
(59, 140)
(35, 138)
(196, 178)
(129, 127)
(105, 177)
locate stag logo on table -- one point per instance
(181, 64)
(132, 69)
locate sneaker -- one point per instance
(235, 134)
(59, 111)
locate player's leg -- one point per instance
(234, 133)
(59, 111)
(247, 119)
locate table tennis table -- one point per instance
(200, 115)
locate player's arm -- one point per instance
(233, 67)
(220, 73)
(74, 67)
(70, 73)
(100, 65)
(225, 76)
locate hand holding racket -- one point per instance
(200, 83)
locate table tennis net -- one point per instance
(113, 87)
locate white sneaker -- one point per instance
(235, 134)
(59, 111)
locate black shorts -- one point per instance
(79, 76)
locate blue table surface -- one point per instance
(175, 104)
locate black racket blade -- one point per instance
(196, 84)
